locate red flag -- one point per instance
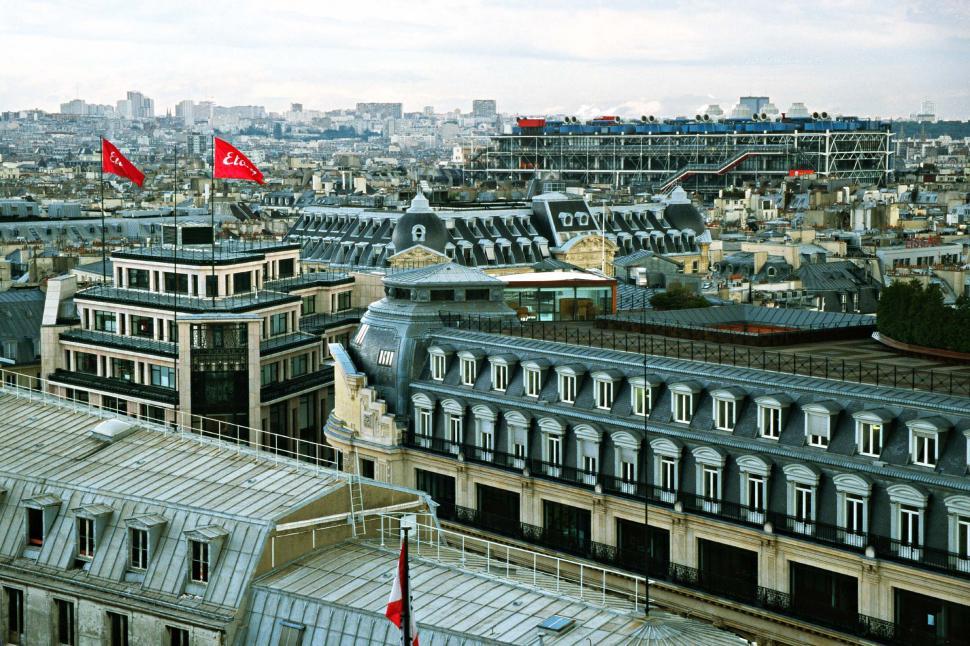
(232, 164)
(395, 603)
(114, 163)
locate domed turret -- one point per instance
(420, 225)
(681, 214)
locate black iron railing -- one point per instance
(122, 342)
(116, 386)
(287, 342)
(185, 303)
(319, 323)
(309, 279)
(280, 389)
(855, 371)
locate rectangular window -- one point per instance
(65, 629)
(177, 636)
(438, 367)
(711, 480)
(668, 473)
(163, 376)
(817, 429)
(909, 529)
(590, 464)
(455, 431)
(554, 449)
(242, 282)
(123, 369)
(424, 422)
(855, 510)
(277, 323)
(343, 301)
(308, 305)
(298, 366)
(683, 407)
(117, 629)
(770, 422)
(486, 441)
(724, 414)
(269, 374)
(86, 363)
(142, 326)
(14, 602)
(287, 267)
(385, 358)
(963, 537)
(604, 394)
(628, 471)
(175, 283)
(641, 400)
(533, 383)
(870, 439)
(138, 553)
(85, 538)
(567, 388)
(105, 321)
(924, 449)
(756, 492)
(500, 377)
(199, 567)
(804, 502)
(468, 372)
(138, 279)
(35, 526)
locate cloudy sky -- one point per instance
(622, 56)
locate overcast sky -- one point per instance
(666, 58)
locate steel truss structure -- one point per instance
(702, 161)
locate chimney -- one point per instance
(760, 258)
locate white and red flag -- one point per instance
(396, 602)
(114, 163)
(232, 164)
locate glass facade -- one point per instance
(554, 303)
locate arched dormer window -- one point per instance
(418, 233)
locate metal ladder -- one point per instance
(356, 498)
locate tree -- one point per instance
(677, 297)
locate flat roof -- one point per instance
(556, 277)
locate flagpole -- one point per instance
(212, 219)
(175, 270)
(405, 591)
(104, 248)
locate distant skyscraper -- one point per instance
(380, 110)
(296, 107)
(137, 106)
(75, 106)
(483, 108)
(185, 111)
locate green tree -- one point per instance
(677, 297)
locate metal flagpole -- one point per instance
(104, 248)
(212, 219)
(175, 270)
(646, 488)
(405, 591)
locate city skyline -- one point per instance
(630, 60)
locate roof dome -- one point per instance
(420, 225)
(681, 214)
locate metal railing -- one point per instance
(265, 444)
(121, 341)
(601, 586)
(319, 323)
(185, 303)
(810, 365)
(320, 377)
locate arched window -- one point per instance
(418, 233)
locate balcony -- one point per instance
(287, 342)
(238, 303)
(115, 386)
(309, 279)
(320, 323)
(281, 389)
(121, 342)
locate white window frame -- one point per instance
(924, 447)
(641, 399)
(683, 407)
(754, 470)
(86, 537)
(532, 382)
(666, 468)
(958, 526)
(500, 377)
(552, 454)
(907, 503)
(567, 388)
(604, 393)
(469, 372)
(769, 421)
(725, 413)
(852, 491)
(866, 432)
(438, 366)
(709, 486)
(456, 431)
(802, 486)
(143, 550)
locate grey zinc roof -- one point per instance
(149, 476)
(735, 313)
(442, 275)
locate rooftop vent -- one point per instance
(112, 430)
(557, 625)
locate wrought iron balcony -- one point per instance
(121, 342)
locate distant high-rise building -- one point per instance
(198, 144)
(927, 112)
(185, 110)
(75, 106)
(136, 106)
(296, 107)
(483, 108)
(380, 110)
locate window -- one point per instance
(342, 302)
(423, 422)
(469, 372)
(163, 376)
(290, 634)
(533, 382)
(104, 321)
(385, 358)
(199, 565)
(138, 279)
(439, 295)
(817, 430)
(683, 407)
(711, 479)
(286, 267)
(854, 511)
(628, 472)
(177, 636)
(668, 474)
(909, 525)
(143, 326)
(604, 394)
(756, 492)
(486, 439)
(924, 449)
(298, 366)
(769, 422)
(724, 410)
(500, 377)
(567, 388)
(870, 438)
(138, 549)
(590, 467)
(85, 538)
(308, 305)
(368, 468)
(277, 323)
(361, 333)
(455, 431)
(269, 373)
(35, 526)
(123, 369)
(641, 400)
(476, 294)
(117, 629)
(804, 503)
(963, 538)
(554, 449)
(14, 602)
(179, 283)
(438, 367)
(65, 628)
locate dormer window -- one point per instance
(90, 523)
(532, 376)
(641, 394)
(418, 233)
(199, 567)
(870, 431)
(85, 538)
(568, 383)
(771, 409)
(818, 422)
(500, 371)
(684, 395)
(144, 534)
(138, 553)
(204, 545)
(439, 361)
(925, 438)
(469, 371)
(604, 387)
(41, 512)
(725, 403)
(35, 527)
